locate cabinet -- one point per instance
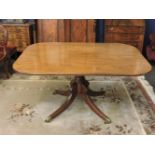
(66, 30)
(19, 35)
(125, 31)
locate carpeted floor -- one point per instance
(27, 100)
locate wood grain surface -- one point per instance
(82, 59)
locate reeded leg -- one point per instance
(62, 108)
(61, 92)
(95, 109)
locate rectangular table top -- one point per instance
(82, 59)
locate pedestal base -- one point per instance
(79, 86)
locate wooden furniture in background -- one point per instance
(19, 35)
(81, 59)
(128, 31)
(65, 30)
(3, 43)
(6, 51)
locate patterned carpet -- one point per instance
(124, 102)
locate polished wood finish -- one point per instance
(127, 31)
(79, 87)
(82, 59)
(66, 30)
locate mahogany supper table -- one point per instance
(80, 59)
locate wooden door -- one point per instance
(66, 30)
(50, 30)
